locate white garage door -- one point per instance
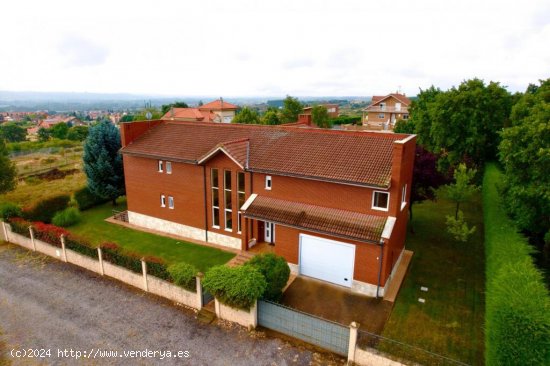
(327, 260)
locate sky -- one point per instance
(270, 48)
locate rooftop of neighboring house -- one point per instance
(377, 99)
(204, 113)
(358, 158)
(219, 105)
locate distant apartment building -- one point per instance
(216, 111)
(385, 111)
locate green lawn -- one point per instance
(94, 228)
(450, 322)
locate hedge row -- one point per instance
(49, 233)
(45, 210)
(20, 226)
(86, 199)
(345, 120)
(158, 268)
(111, 253)
(81, 246)
(184, 275)
(517, 317)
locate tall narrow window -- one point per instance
(160, 166)
(268, 182)
(380, 200)
(162, 200)
(404, 197)
(227, 200)
(215, 198)
(171, 202)
(168, 167)
(241, 195)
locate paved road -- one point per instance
(46, 304)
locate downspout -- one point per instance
(380, 267)
(205, 206)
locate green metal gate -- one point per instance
(320, 332)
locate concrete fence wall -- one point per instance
(248, 319)
(142, 280)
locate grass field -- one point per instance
(450, 322)
(98, 231)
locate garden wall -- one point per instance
(248, 319)
(83, 261)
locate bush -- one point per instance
(49, 233)
(183, 274)
(81, 246)
(67, 217)
(346, 120)
(9, 210)
(20, 226)
(157, 267)
(238, 287)
(86, 199)
(111, 253)
(276, 272)
(45, 210)
(517, 317)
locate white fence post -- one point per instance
(352, 342)
(199, 290)
(63, 250)
(217, 308)
(100, 257)
(254, 310)
(32, 238)
(4, 230)
(144, 271)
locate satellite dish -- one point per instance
(148, 115)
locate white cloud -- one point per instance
(247, 47)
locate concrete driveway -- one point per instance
(50, 305)
(337, 303)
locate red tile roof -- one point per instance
(217, 105)
(340, 156)
(347, 224)
(190, 114)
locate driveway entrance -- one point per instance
(337, 304)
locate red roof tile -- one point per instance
(341, 156)
(189, 114)
(218, 104)
(347, 224)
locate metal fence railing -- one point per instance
(120, 215)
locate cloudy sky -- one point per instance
(261, 48)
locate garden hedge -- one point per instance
(67, 217)
(20, 226)
(111, 253)
(184, 275)
(81, 246)
(238, 287)
(86, 199)
(48, 233)
(517, 317)
(45, 209)
(346, 120)
(276, 272)
(9, 210)
(158, 268)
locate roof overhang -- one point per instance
(213, 153)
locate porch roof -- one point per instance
(329, 221)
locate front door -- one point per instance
(269, 232)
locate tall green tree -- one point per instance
(77, 133)
(247, 116)
(525, 155)
(421, 115)
(271, 117)
(462, 189)
(8, 172)
(166, 107)
(12, 133)
(127, 118)
(291, 109)
(319, 116)
(404, 126)
(59, 131)
(142, 114)
(43, 134)
(103, 162)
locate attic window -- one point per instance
(380, 200)
(268, 182)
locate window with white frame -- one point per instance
(162, 200)
(171, 202)
(215, 198)
(241, 198)
(381, 115)
(160, 166)
(268, 182)
(228, 204)
(380, 200)
(404, 197)
(382, 106)
(168, 167)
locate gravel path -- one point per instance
(46, 304)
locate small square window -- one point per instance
(162, 200)
(381, 115)
(171, 202)
(160, 166)
(168, 167)
(380, 200)
(268, 182)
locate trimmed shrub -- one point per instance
(45, 210)
(81, 246)
(517, 317)
(20, 226)
(276, 271)
(9, 210)
(346, 120)
(67, 217)
(49, 233)
(238, 287)
(86, 199)
(111, 253)
(183, 274)
(158, 268)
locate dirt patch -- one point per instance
(56, 174)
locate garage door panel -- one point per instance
(328, 260)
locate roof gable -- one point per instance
(218, 104)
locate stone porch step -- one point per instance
(206, 315)
(240, 259)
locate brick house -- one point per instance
(384, 111)
(332, 109)
(332, 203)
(215, 111)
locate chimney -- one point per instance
(172, 112)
